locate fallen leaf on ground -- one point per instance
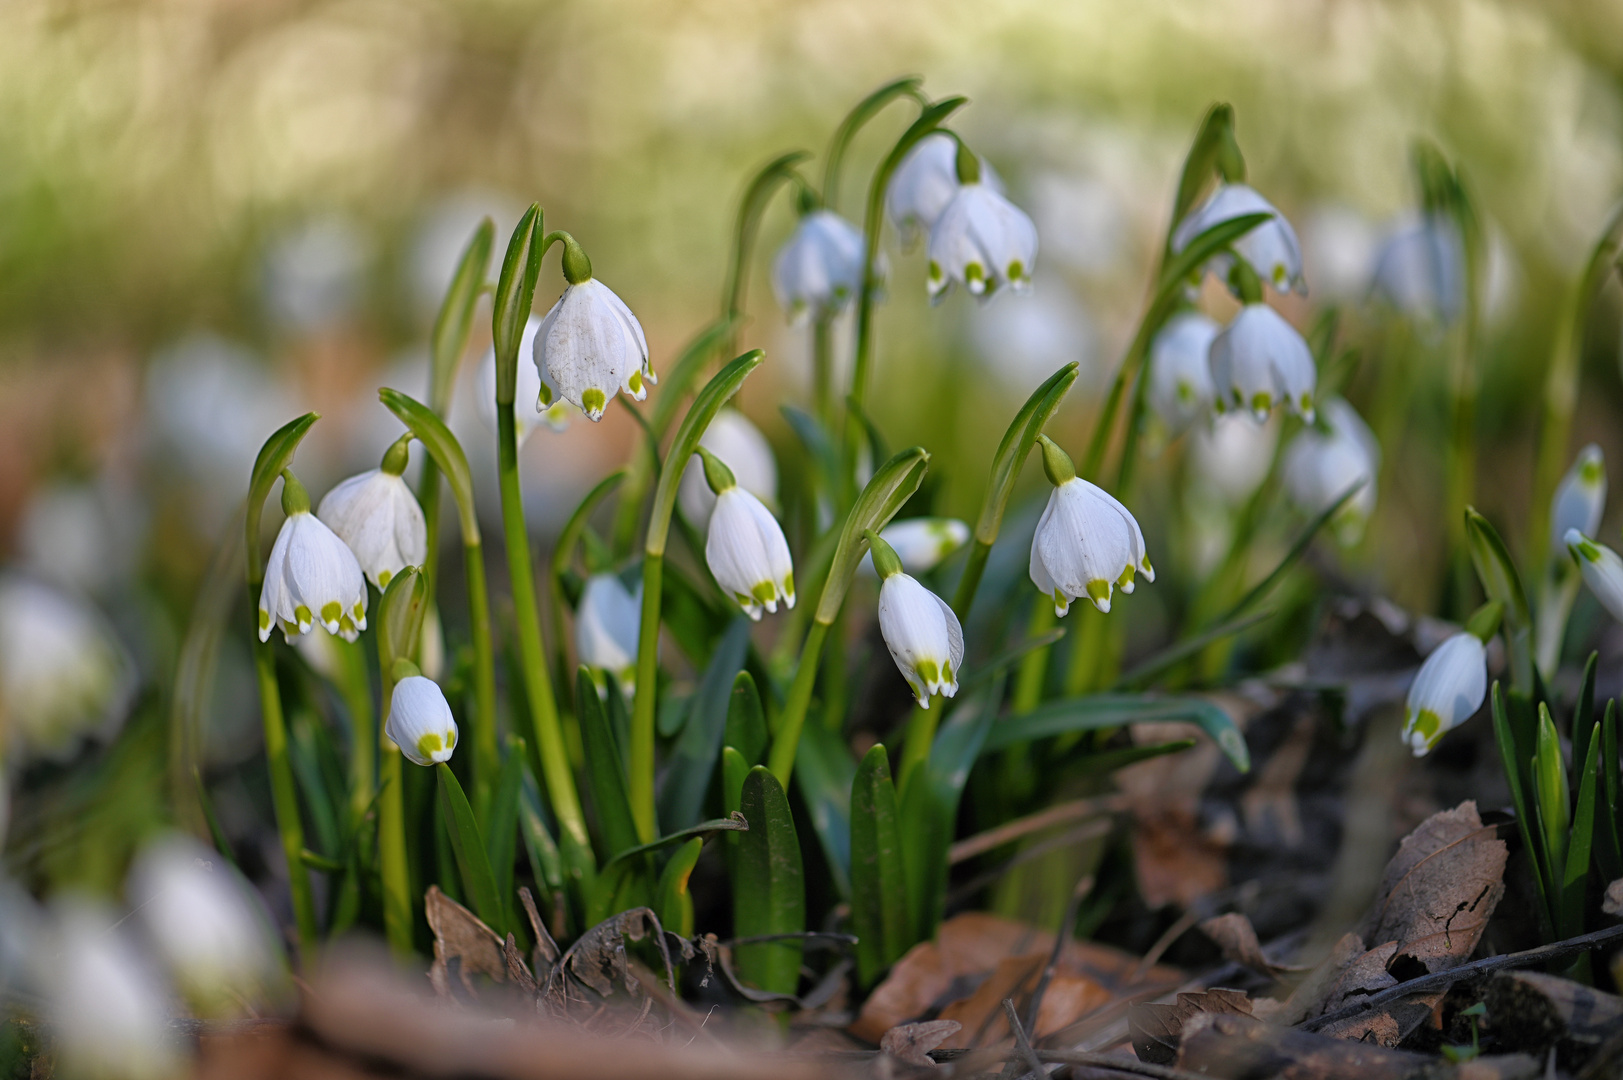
(1311, 993)
(1235, 935)
(1157, 1028)
(1067, 999)
(1440, 889)
(912, 1043)
(1531, 1011)
(460, 935)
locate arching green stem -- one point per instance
(757, 193)
(855, 120)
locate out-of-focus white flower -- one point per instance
(819, 270)
(983, 241)
(531, 385)
(1258, 361)
(206, 924)
(743, 449)
(1447, 692)
(313, 273)
(1231, 455)
(921, 543)
(1270, 249)
(1339, 243)
(1602, 570)
(590, 345)
(311, 576)
(1580, 498)
(63, 674)
(1420, 270)
(1181, 389)
(745, 548)
(107, 1009)
(606, 624)
(920, 630)
(377, 516)
(1026, 338)
(420, 721)
(925, 182)
(86, 536)
(1087, 543)
(437, 245)
(1320, 467)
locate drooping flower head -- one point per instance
(376, 514)
(1087, 544)
(420, 721)
(1181, 389)
(590, 346)
(311, 576)
(743, 449)
(1271, 249)
(820, 269)
(745, 548)
(1420, 270)
(920, 629)
(606, 623)
(1602, 570)
(532, 385)
(1322, 466)
(1450, 686)
(1580, 498)
(921, 543)
(981, 240)
(1259, 361)
(925, 182)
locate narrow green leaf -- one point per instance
(692, 760)
(469, 848)
(1297, 549)
(515, 292)
(1610, 849)
(1176, 653)
(892, 485)
(275, 455)
(1201, 161)
(563, 550)
(733, 771)
(824, 779)
(673, 903)
(746, 720)
(1015, 447)
(1106, 761)
(447, 453)
(879, 895)
(400, 614)
(819, 447)
(1182, 267)
(319, 804)
(1496, 569)
(1096, 712)
(769, 890)
(546, 864)
(675, 380)
(733, 823)
(605, 770)
(501, 841)
(1532, 839)
(1554, 796)
(1004, 660)
(1580, 846)
(455, 318)
(1585, 725)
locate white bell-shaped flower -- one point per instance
(920, 629)
(981, 239)
(1087, 543)
(1231, 455)
(606, 624)
(925, 182)
(921, 543)
(1271, 249)
(743, 449)
(745, 548)
(1181, 389)
(311, 576)
(1320, 467)
(820, 269)
(531, 385)
(63, 673)
(1602, 570)
(590, 345)
(420, 721)
(377, 515)
(1259, 361)
(1580, 498)
(1447, 691)
(206, 924)
(1420, 270)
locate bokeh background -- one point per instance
(216, 214)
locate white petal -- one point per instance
(377, 516)
(743, 449)
(1181, 386)
(420, 721)
(1580, 500)
(747, 553)
(606, 625)
(590, 346)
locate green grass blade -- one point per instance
(469, 848)
(1096, 712)
(769, 890)
(605, 770)
(1532, 839)
(1580, 846)
(1554, 794)
(501, 842)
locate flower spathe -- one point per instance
(1602, 570)
(1258, 361)
(311, 576)
(1181, 388)
(1320, 467)
(1580, 498)
(606, 623)
(1271, 249)
(1087, 543)
(1446, 692)
(741, 446)
(820, 269)
(420, 721)
(377, 516)
(925, 182)
(983, 241)
(923, 636)
(748, 555)
(530, 385)
(589, 347)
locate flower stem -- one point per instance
(963, 598)
(284, 795)
(1033, 674)
(916, 744)
(640, 759)
(786, 740)
(486, 763)
(547, 732)
(393, 867)
(823, 369)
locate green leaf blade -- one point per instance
(769, 893)
(879, 896)
(605, 770)
(469, 847)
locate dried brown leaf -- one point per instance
(1157, 1028)
(1235, 935)
(1440, 889)
(1366, 974)
(1613, 903)
(1311, 993)
(459, 935)
(912, 1043)
(1227, 1047)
